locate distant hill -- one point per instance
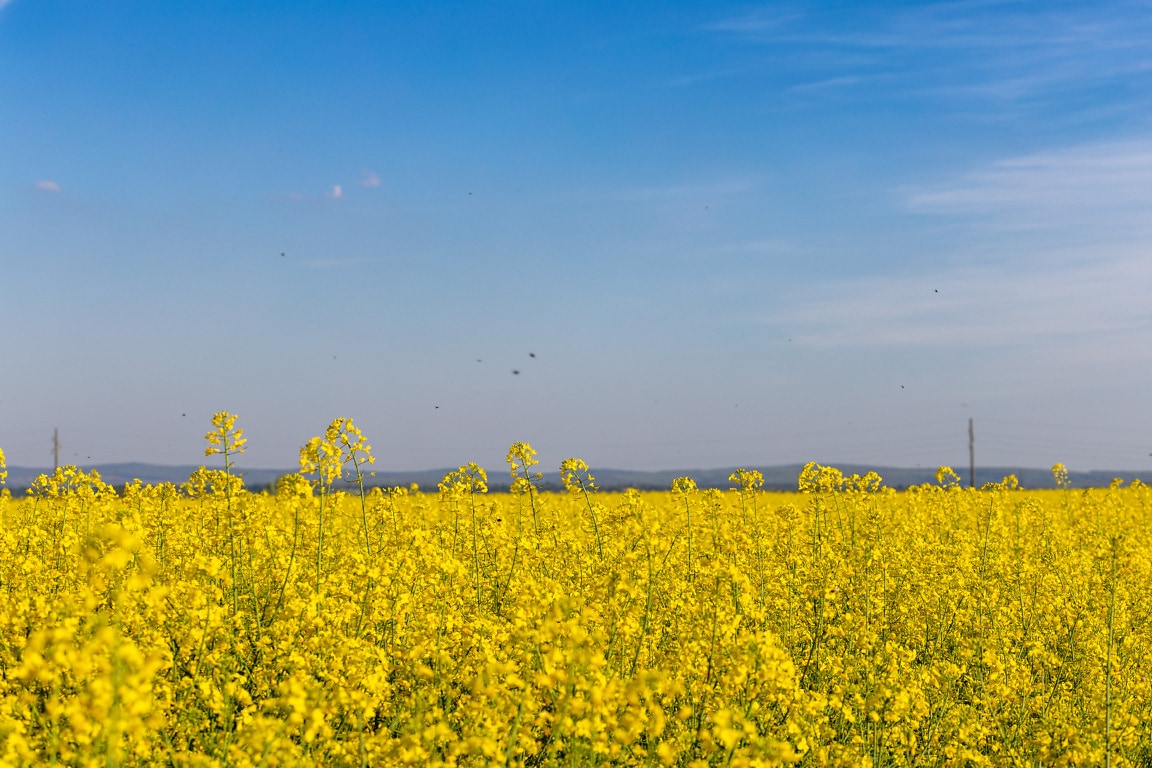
(775, 478)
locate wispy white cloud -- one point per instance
(45, 185)
(1099, 309)
(369, 179)
(984, 26)
(698, 78)
(685, 192)
(1104, 187)
(337, 192)
(1057, 254)
(758, 22)
(845, 81)
(995, 50)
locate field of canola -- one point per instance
(843, 624)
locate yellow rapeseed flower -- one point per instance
(225, 437)
(844, 625)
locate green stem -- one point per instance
(231, 525)
(291, 561)
(688, 509)
(532, 500)
(592, 512)
(363, 505)
(647, 610)
(320, 536)
(475, 550)
(1111, 634)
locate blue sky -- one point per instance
(729, 233)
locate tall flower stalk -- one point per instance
(574, 475)
(685, 488)
(354, 450)
(521, 458)
(321, 457)
(228, 440)
(747, 483)
(469, 479)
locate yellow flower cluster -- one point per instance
(324, 623)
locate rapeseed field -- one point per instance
(330, 623)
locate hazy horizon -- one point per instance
(501, 471)
(651, 236)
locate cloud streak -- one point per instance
(1102, 307)
(44, 185)
(685, 192)
(1075, 274)
(991, 50)
(1104, 188)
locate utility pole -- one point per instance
(971, 455)
(55, 448)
